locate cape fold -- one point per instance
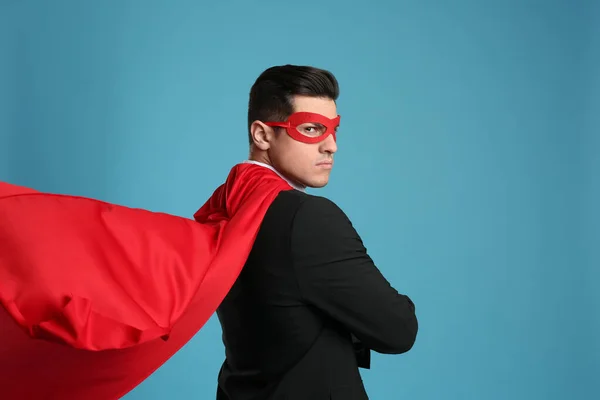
(96, 296)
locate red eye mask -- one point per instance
(309, 127)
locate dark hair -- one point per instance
(272, 93)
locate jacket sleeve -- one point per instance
(337, 276)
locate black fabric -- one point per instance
(308, 308)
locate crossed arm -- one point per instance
(336, 275)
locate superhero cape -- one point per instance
(96, 296)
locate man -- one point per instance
(309, 303)
(106, 294)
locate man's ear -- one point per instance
(261, 135)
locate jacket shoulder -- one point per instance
(299, 204)
(296, 198)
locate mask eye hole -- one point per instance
(311, 129)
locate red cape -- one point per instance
(96, 296)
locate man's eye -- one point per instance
(311, 129)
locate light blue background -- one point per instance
(468, 159)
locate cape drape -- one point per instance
(96, 296)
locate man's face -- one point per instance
(306, 164)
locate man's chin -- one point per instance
(317, 184)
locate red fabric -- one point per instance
(97, 296)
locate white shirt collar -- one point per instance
(292, 184)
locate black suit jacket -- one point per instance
(307, 308)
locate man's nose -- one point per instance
(329, 145)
